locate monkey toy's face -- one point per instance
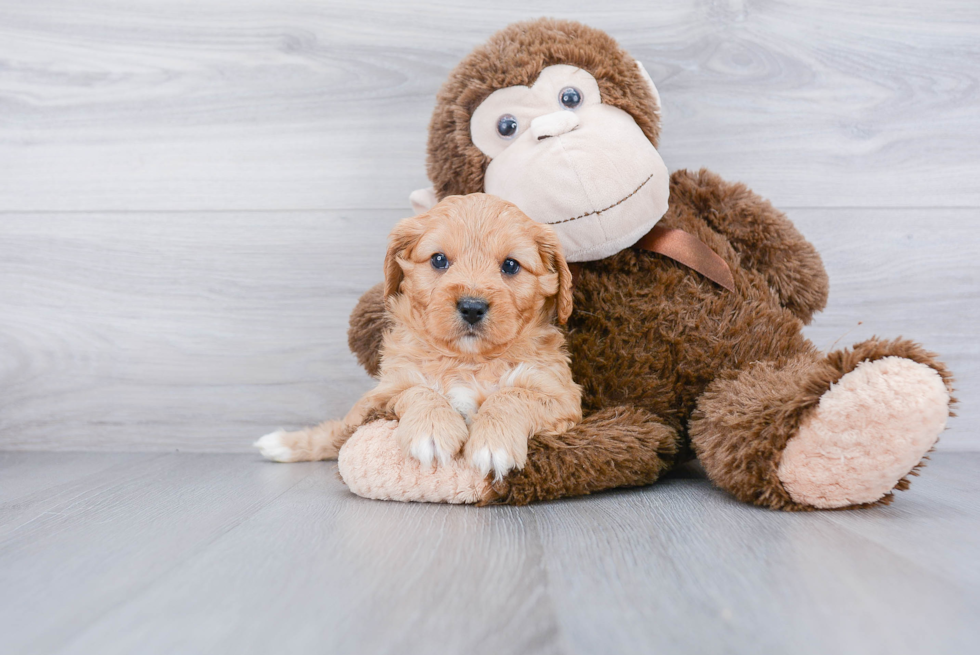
(568, 160)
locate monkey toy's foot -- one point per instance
(373, 465)
(823, 431)
(869, 431)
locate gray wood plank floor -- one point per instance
(196, 553)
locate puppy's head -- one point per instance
(474, 273)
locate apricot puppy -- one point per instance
(473, 361)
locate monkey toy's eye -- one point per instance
(510, 267)
(506, 126)
(570, 97)
(439, 261)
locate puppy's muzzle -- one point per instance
(472, 309)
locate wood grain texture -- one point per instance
(287, 104)
(192, 553)
(738, 580)
(22, 475)
(173, 331)
(74, 551)
(204, 331)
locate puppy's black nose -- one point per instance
(472, 309)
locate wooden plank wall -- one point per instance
(194, 193)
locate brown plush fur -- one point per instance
(615, 447)
(683, 362)
(368, 324)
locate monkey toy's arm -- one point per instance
(766, 240)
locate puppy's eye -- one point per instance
(439, 261)
(570, 97)
(506, 126)
(510, 267)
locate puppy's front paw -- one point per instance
(432, 435)
(496, 445)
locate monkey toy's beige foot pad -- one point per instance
(868, 432)
(372, 464)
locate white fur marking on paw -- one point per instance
(482, 460)
(427, 451)
(499, 461)
(502, 464)
(869, 430)
(424, 450)
(442, 455)
(272, 447)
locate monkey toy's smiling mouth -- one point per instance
(598, 212)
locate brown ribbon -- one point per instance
(684, 248)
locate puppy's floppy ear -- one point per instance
(550, 248)
(406, 234)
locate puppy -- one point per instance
(472, 361)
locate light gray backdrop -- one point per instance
(193, 193)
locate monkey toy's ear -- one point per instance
(425, 199)
(653, 89)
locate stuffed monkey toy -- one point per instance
(676, 359)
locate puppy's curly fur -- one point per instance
(482, 386)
